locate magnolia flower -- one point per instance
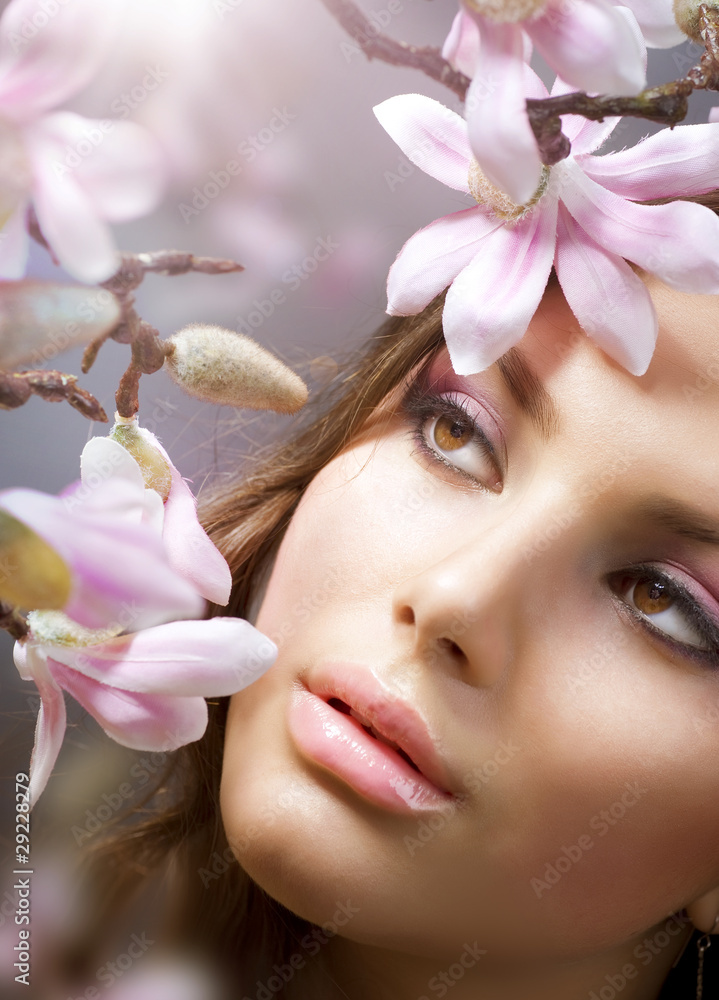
(583, 219)
(78, 173)
(593, 45)
(146, 689)
(137, 561)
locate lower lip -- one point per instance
(339, 743)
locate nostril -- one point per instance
(450, 646)
(405, 615)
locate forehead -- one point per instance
(680, 390)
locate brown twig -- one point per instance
(53, 386)
(375, 45)
(666, 104)
(12, 621)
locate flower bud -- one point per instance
(154, 466)
(686, 14)
(32, 573)
(226, 368)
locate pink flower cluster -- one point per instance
(580, 216)
(137, 564)
(78, 174)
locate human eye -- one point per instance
(446, 429)
(668, 609)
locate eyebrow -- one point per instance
(528, 392)
(679, 518)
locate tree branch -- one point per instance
(375, 45)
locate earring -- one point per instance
(703, 943)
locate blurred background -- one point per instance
(322, 202)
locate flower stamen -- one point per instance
(486, 193)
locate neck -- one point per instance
(636, 970)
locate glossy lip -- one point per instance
(340, 742)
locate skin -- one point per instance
(492, 612)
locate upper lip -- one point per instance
(380, 708)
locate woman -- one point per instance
(483, 762)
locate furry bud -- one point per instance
(686, 14)
(507, 11)
(226, 368)
(154, 466)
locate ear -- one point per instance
(704, 912)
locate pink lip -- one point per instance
(341, 743)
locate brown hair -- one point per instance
(178, 830)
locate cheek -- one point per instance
(364, 522)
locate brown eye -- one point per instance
(651, 597)
(451, 434)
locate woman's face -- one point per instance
(518, 580)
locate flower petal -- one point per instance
(500, 135)
(611, 302)
(678, 242)
(190, 550)
(47, 56)
(461, 46)
(79, 238)
(140, 721)
(118, 164)
(14, 245)
(102, 461)
(119, 569)
(430, 135)
(51, 720)
(432, 258)
(657, 22)
(591, 46)
(671, 163)
(490, 304)
(210, 658)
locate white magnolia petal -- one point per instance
(51, 724)
(656, 19)
(611, 303)
(678, 242)
(592, 46)
(210, 658)
(461, 46)
(430, 135)
(490, 304)
(432, 258)
(140, 721)
(14, 245)
(671, 163)
(500, 135)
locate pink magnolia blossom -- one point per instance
(593, 45)
(78, 173)
(146, 689)
(137, 562)
(496, 257)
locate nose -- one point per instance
(472, 609)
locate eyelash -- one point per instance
(685, 603)
(420, 405)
